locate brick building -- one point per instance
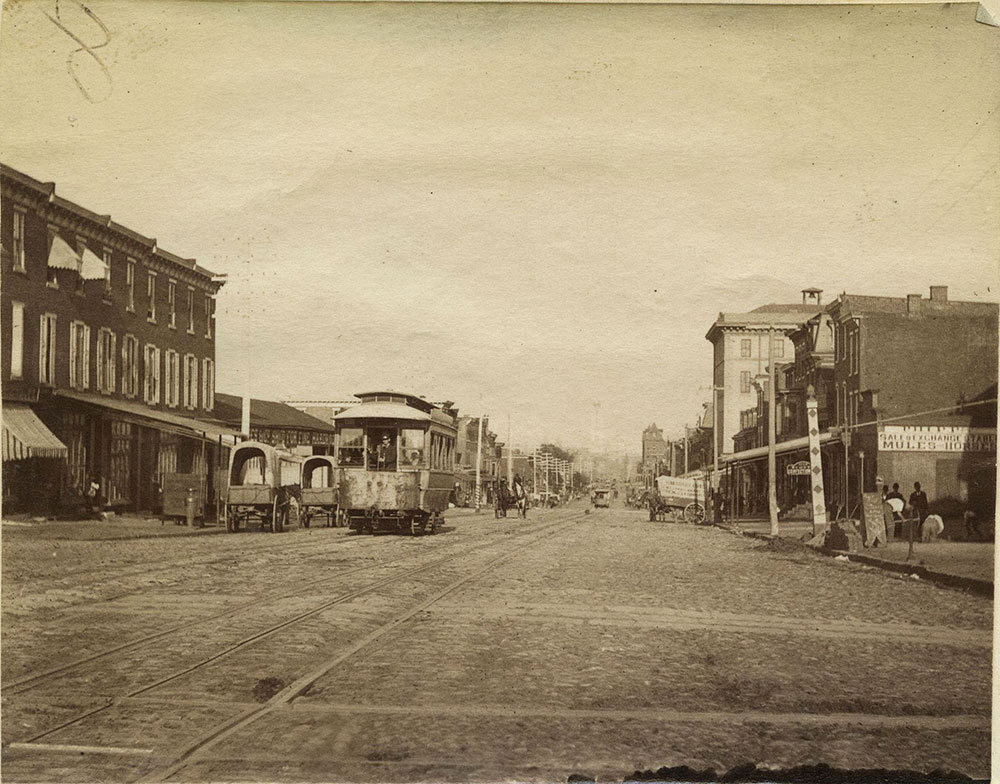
(906, 392)
(108, 356)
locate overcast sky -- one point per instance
(523, 209)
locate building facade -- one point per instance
(109, 346)
(740, 355)
(906, 392)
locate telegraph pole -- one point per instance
(772, 479)
(510, 455)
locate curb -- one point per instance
(972, 585)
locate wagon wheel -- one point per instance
(275, 523)
(694, 513)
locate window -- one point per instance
(190, 381)
(172, 304)
(107, 273)
(130, 366)
(172, 381)
(106, 340)
(151, 297)
(47, 349)
(412, 448)
(79, 355)
(208, 317)
(151, 375)
(18, 247)
(745, 381)
(779, 347)
(746, 346)
(130, 286)
(208, 384)
(382, 449)
(16, 339)
(191, 310)
(351, 451)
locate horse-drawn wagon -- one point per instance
(679, 498)
(320, 494)
(262, 482)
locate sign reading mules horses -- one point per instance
(801, 468)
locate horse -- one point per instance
(519, 499)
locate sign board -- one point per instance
(801, 468)
(680, 488)
(873, 513)
(915, 438)
(175, 492)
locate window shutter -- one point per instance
(102, 375)
(158, 377)
(112, 376)
(41, 349)
(86, 356)
(194, 382)
(73, 327)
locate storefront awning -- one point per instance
(62, 256)
(144, 415)
(92, 266)
(25, 435)
(781, 447)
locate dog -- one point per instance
(931, 528)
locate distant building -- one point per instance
(740, 354)
(108, 364)
(324, 410)
(278, 424)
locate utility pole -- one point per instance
(685, 449)
(510, 455)
(479, 461)
(772, 479)
(715, 451)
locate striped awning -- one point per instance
(25, 435)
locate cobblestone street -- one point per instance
(595, 643)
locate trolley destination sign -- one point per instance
(912, 438)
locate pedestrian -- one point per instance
(918, 502)
(94, 498)
(885, 493)
(895, 492)
(972, 525)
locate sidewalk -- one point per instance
(118, 527)
(955, 563)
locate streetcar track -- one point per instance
(301, 684)
(25, 683)
(158, 565)
(251, 639)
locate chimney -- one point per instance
(939, 293)
(912, 303)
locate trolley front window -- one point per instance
(411, 448)
(352, 447)
(381, 449)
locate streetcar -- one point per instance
(602, 497)
(395, 463)
(319, 495)
(262, 480)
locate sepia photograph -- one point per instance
(543, 392)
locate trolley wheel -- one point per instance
(694, 513)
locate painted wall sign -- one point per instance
(914, 438)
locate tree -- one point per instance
(557, 451)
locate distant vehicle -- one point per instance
(678, 497)
(602, 498)
(395, 463)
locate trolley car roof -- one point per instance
(383, 410)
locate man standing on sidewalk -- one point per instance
(918, 503)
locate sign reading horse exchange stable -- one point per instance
(914, 438)
(801, 468)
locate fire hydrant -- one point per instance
(189, 507)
